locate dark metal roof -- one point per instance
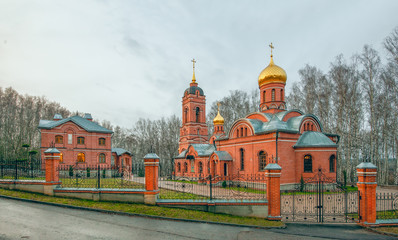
(120, 151)
(193, 89)
(87, 125)
(314, 139)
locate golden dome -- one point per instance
(272, 74)
(218, 120)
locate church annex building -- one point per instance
(293, 139)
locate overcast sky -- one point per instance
(122, 60)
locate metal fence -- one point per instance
(387, 205)
(98, 176)
(207, 187)
(22, 170)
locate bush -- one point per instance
(103, 173)
(88, 172)
(70, 171)
(224, 184)
(141, 173)
(302, 184)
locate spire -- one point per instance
(193, 76)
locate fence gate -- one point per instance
(320, 199)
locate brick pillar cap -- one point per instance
(273, 166)
(52, 150)
(366, 165)
(151, 156)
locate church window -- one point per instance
(262, 160)
(178, 167)
(312, 127)
(332, 161)
(241, 131)
(81, 157)
(225, 169)
(197, 114)
(69, 138)
(61, 157)
(192, 166)
(200, 167)
(59, 139)
(307, 163)
(273, 95)
(101, 141)
(80, 140)
(186, 115)
(237, 133)
(101, 158)
(242, 159)
(245, 132)
(282, 95)
(264, 96)
(185, 167)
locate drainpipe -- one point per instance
(276, 143)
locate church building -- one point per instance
(292, 138)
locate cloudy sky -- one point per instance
(122, 60)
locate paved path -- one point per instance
(24, 220)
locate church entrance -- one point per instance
(320, 199)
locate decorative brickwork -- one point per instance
(367, 184)
(273, 178)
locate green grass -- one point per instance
(170, 194)
(146, 209)
(105, 183)
(391, 214)
(183, 181)
(247, 190)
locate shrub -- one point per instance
(70, 171)
(302, 184)
(104, 173)
(88, 172)
(224, 184)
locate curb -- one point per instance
(136, 214)
(370, 229)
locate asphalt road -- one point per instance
(25, 220)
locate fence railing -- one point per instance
(207, 187)
(98, 176)
(387, 205)
(22, 170)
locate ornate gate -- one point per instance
(320, 199)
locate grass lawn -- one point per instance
(105, 183)
(146, 209)
(388, 229)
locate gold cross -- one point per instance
(272, 47)
(193, 62)
(218, 105)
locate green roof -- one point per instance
(87, 125)
(314, 139)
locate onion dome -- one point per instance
(218, 120)
(272, 73)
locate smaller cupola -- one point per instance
(88, 116)
(57, 117)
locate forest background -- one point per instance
(357, 98)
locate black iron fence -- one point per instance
(207, 187)
(387, 205)
(98, 176)
(22, 169)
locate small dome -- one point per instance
(218, 120)
(272, 74)
(193, 89)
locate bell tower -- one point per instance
(194, 128)
(272, 81)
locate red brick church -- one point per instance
(293, 139)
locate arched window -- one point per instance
(200, 167)
(237, 133)
(245, 132)
(242, 159)
(307, 163)
(59, 139)
(61, 157)
(101, 141)
(262, 160)
(80, 140)
(197, 114)
(273, 95)
(178, 167)
(101, 158)
(332, 163)
(241, 131)
(185, 167)
(225, 169)
(81, 157)
(281, 94)
(186, 115)
(264, 96)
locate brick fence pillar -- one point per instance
(151, 161)
(367, 184)
(51, 157)
(273, 180)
